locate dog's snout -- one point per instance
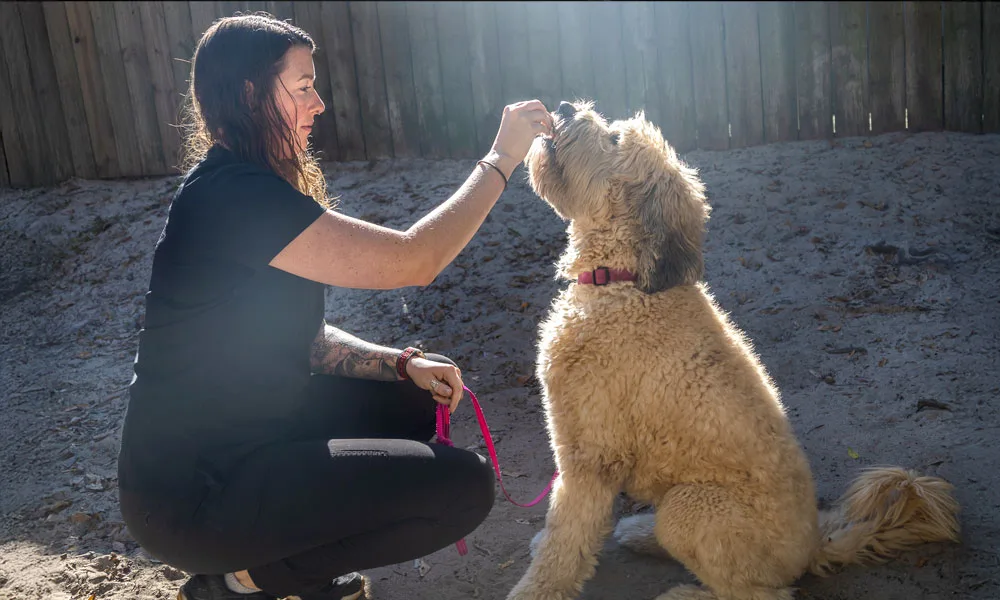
(566, 109)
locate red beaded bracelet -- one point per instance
(406, 355)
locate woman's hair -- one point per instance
(221, 107)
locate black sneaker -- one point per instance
(352, 586)
(213, 587)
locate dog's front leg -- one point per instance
(578, 520)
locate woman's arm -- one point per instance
(347, 252)
(336, 352)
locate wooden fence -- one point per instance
(92, 89)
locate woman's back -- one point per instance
(225, 335)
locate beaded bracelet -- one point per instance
(504, 177)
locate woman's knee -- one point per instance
(441, 358)
(475, 484)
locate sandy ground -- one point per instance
(864, 271)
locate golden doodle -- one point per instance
(650, 389)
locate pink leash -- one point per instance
(443, 437)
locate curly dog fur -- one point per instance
(650, 389)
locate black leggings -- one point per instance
(359, 487)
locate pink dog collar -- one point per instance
(604, 276)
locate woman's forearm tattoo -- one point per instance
(335, 352)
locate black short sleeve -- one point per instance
(248, 215)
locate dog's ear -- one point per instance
(669, 213)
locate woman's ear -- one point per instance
(248, 97)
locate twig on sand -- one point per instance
(885, 309)
(847, 350)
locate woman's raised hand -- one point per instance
(521, 123)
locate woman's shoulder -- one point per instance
(221, 166)
(222, 179)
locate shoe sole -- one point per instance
(358, 596)
(363, 594)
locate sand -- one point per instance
(864, 271)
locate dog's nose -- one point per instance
(566, 109)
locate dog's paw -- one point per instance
(688, 592)
(638, 534)
(533, 593)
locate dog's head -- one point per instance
(602, 175)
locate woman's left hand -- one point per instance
(442, 380)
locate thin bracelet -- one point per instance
(502, 176)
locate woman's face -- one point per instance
(296, 94)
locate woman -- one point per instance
(264, 450)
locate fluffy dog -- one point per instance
(649, 388)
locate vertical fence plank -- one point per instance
(849, 47)
(427, 79)
(610, 90)
(18, 169)
(924, 94)
(400, 97)
(515, 61)
(324, 138)
(203, 14)
(161, 76)
(744, 94)
(137, 72)
(33, 140)
(812, 73)
(991, 67)
(575, 62)
(343, 80)
(487, 103)
(180, 51)
(229, 8)
(776, 25)
(284, 11)
(4, 175)
(708, 65)
(963, 67)
(543, 47)
(642, 63)
(453, 45)
(371, 80)
(109, 54)
(59, 158)
(886, 69)
(68, 85)
(678, 117)
(95, 103)
(180, 43)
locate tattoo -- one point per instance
(335, 352)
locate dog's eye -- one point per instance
(614, 138)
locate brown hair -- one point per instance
(221, 108)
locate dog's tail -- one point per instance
(885, 511)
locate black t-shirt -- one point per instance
(223, 356)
